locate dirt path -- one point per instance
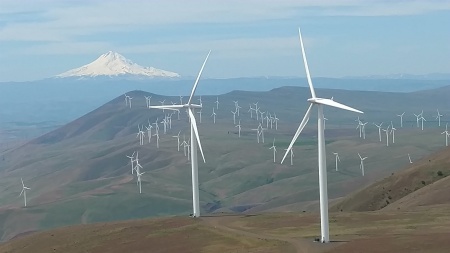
(300, 245)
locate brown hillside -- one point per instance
(429, 170)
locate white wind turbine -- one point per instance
(276, 121)
(292, 155)
(239, 128)
(257, 133)
(217, 103)
(139, 174)
(401, 118)
(126, 99)
(184, 144)
(387, 135)
(409, 157)
(195, 139)
(149, 131)
(379, 129)
(274, 150)
(178, 139)
(141, 135)
(361, 166)
(393, 132)
(237, 108)
(132, 161)
(256, 110)
(214, 116)
(422, 119)
(447, 134)
(337, 159)
(234, 116)
(417, 118)
(200, 116)
(24, 192)
(251, 111)
(157, 139)
(147, 100)
(363, 126)
(129, 100)
(162, 103)
(438, 117)
(320, 102)
(261, 132)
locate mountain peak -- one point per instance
(114, 64)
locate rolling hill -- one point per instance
(424, 183)
(79, 172)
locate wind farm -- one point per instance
(126, 175)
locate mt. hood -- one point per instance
(114, 64)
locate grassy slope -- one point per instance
(83, 164)
(419, 181)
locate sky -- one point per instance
(43, 38)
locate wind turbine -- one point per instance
(320, 102)
(257, 133)
(239, 128)
(438, 117)
(361, 166)
(214, 116)
(234, 116)
(337, 159)
(126, 99)
(178, 140)
(274, 150)
(129, 100)
(401, 118)
(276, 121)
(149, 131)
(184, 143)
(141, 135)
(251, 111)
(292, 155)
(409, 157)
(261, 132)
(200, 116)
(217, 103)
(422, 119)
(387, 135)
(417, 118)
(195, 139)
(379, 129)
(447, 134)
(363, 126)
(139, 174)
(132, 161)
(147, 100)
(393, 133)
(24, 192)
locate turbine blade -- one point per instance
(308, 76)
(21, 192)
(198, 78)
(194, 126)
(299, 130)
(329, 102)
(22, 182)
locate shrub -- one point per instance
(423, 182)
(439, 173)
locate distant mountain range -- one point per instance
(112, 64)
(431, 76)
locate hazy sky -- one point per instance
(40, 39)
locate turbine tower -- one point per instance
(239, 128)
(409, 157)
(379, 129)
(320, 102)
(447, 134)
(195, 139)
(337, 159)
(438, 117)
(24, 192)
(361, 165)
(401, 118)
(274, 150)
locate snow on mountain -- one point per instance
(114, 64)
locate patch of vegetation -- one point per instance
(439, 173)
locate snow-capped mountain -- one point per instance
(114, 64)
